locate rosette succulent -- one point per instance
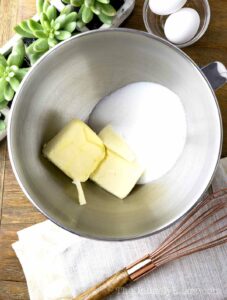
(11, 73)
(88, 8)
(49, 31)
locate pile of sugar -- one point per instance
(151, 118)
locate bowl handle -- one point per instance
(216, 74)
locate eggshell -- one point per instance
(182, 26)
(166, 7)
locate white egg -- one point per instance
(166, 7)
(182, 26)
(151, 119)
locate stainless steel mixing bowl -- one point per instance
(67, 83)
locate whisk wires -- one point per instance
(204, 227)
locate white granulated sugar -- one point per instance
(151, 119)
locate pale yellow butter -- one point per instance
(76, 150)
(119, 171)
(117, 175)
(114, 142)
(106, 159)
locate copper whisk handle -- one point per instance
(140, 268)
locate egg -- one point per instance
(166, 7)
(182, 26)
(151, 120)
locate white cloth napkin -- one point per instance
(59, 265)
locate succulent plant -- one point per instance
(49, 31)
(88, 8)
(2, 123)
(11, 73)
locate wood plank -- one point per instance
(12, 281)
(13, 290)
(8, 236)
(17, 208)
(2, 175)
(11, 270)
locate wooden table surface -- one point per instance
(16, 212)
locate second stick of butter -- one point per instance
(119, 172)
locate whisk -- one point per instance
(203, 228)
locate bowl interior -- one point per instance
(155, 23)
(67, 83)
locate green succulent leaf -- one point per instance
(52, 23)
(61, 20)
(16, 57)
(40, 34)
(8, 92)
(66, 1)
(63, 35)
(14, 83)
(87, 14)
(41, 45)
(25, 27)
(44, 21)
(51, 13)
(66, 10)
(104, 1)
(18, 29)
(39, 6)
(30, 50)
(71, 17)
(3, 84)
(46, 4)
(35, 57)
(96, 9)
(70, 27)
(19, 74)
(107, 10)
(57, 26)
(80, 24)
(34, 26)
(89, 3)
(3, 61)
(105, 19)
(52, 42)
(77, 3)
(2, 125)
(47, 26)
(79, 15)
(2, 70)
(3, 104)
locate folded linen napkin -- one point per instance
(59, 265)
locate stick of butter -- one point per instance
(116, 143)
(117, 173)
(77, 151)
